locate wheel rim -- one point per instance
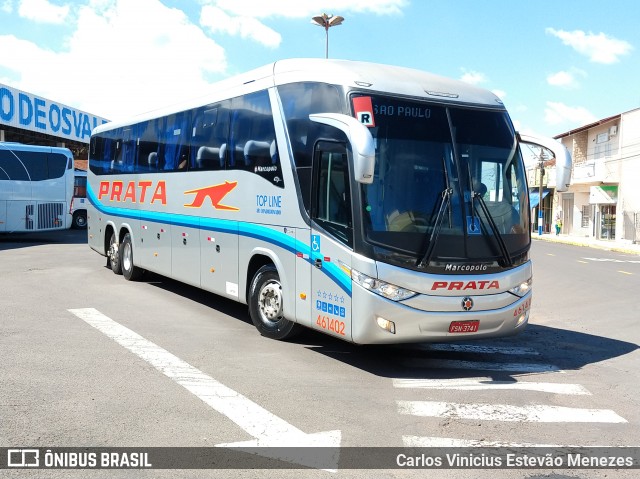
(113, 250)
(126, 257)
(81, 221)
(270, 303)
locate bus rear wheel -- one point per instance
(79, 220)
(266, 300)
(113, 254)
(129, 270)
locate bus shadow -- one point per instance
(10, 241)
(217, 303)
(539, 349)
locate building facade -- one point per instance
(34, 120)
(603, 201)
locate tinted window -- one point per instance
(209, 137)
(31, 165)
(11, 167)
(333, 197)
(173, 145)
(252, 142)
(299, 100)
(57, 165)
(80, 187)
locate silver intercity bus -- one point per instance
(36, 187)
(374, 203)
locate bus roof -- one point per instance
(369, 76)
(7, 145)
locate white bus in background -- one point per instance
(79, 201)
(373, 203)
(36, 187)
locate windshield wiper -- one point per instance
(445, 199)
(500, 240)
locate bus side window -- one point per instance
(174, 151)
(252, 140)
(208, 137)
(147, 148)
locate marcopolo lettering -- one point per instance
(38, 114)
(465, 267)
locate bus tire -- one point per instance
(113, 254)
(129, 270)
(79, 220)
(266, 300)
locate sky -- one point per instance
(556, 64)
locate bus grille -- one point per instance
(50, 216)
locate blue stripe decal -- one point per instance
(249, 230)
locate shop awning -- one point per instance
(534, 197)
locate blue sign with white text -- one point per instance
(30, 112)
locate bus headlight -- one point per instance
(386, 290)
(522, 289)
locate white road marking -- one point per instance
(267, 429)
(505, 412)
(475, 384)
(433, 363)
(430, 441)
(475, 348)
(612, 260)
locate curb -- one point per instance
(619, 248)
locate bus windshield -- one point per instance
(449, 187)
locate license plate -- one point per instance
(464, 326)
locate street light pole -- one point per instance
(327, 21)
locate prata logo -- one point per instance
(214, 193)
(23, 458)
(467, 303)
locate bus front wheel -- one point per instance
(266, 305)
(129, 270)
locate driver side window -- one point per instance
(332, 195)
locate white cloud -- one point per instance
(43, 11)
(6, 6)
(561, 78)
(125, 57)
(307, 8)
(557, 113)
(473, 77)
(500, 94)
(244, 17)
(217, 20)
(600, 48)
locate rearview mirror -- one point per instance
(362, 143)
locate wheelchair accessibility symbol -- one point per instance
(315, 243)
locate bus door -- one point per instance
(331, 241)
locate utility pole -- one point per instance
(541, 188)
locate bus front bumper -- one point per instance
(377, 320)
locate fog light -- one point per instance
(387, 325)
(524, 317)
